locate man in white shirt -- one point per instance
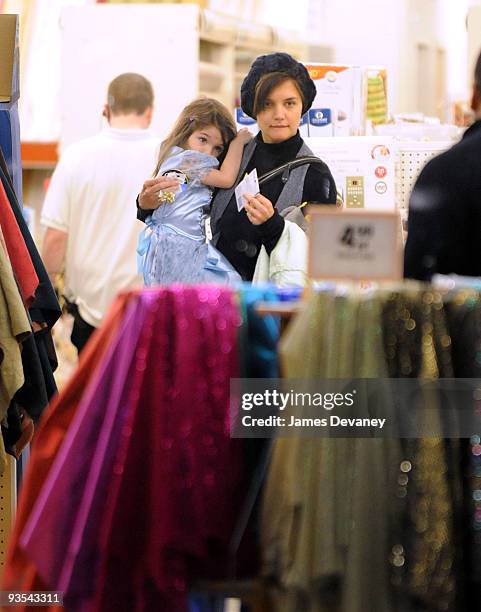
(89, 210)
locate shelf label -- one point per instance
(354, 244)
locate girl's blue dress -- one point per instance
(173, 246)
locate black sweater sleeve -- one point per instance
(271, 231)
(319, 186)
(141, 213)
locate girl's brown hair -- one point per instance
(199, 114)
(266, 84)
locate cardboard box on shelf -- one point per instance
(304, 126)
(337, 109)
(244, 121)
(376, 95)
(9, 94)
(320, 122)
(9, 89)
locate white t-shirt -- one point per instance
(92, 197)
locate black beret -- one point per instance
(276, 62)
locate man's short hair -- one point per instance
(130, 93)
(477, 74)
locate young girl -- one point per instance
(173, 246)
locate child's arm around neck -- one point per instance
(226, 175)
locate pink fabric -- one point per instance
(157, 491)
(51, 533)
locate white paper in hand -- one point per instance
(249, 184)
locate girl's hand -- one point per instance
(259, 209)
(243, 136)
(152, 190)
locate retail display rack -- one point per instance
(411, 158)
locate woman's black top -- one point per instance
(239, 240)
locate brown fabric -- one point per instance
(14, 326)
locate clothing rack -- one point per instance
(126, 339)
(10, 143)
(24, 275)
(283, 309)
(252, 593)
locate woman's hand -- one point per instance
(258, 208)
(152, 190)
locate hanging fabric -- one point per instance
(14, 328)
(39, 353)
(164, 422)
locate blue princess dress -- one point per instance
(173, 247)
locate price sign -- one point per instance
(354, 245)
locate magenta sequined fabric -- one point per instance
(143, 497)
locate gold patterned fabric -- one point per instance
(355, 525)
(417, 345)
(322, 542)
(463, 310)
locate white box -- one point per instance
(337, 109)
(363, 168)
(304, 126)
(354, 245)
(244, 121)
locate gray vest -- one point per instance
(291, 193)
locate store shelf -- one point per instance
(211, 76)
(39, 155)
(254, 35)
(216, 26)
(258, 49)
(228, 47)
(216, 39)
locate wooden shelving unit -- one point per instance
(217, 51)
(232, 45)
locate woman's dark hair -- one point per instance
(266, 84)
(274, 63)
